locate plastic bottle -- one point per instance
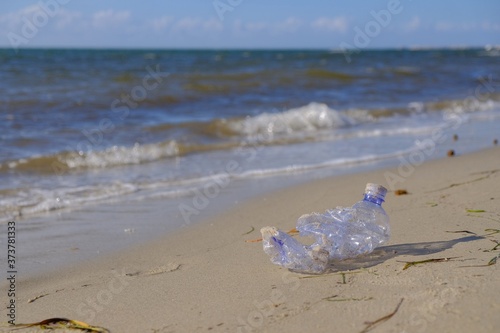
(340, 233)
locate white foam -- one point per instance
(36, 200)
(322, 165)
(119, 155)
(309, 118)
(32, 201)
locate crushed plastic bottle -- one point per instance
(340, 233)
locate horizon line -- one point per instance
(340, 50)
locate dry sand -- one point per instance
(206, 278)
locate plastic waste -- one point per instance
(340, 233)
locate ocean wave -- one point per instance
(113, 156)
(468, 105)
(31, 201)
(117, 155)
(312, 122)
(309, 118)
(316, 117)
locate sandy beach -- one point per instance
(207, 278)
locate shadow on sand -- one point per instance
(384, 253)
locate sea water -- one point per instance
(81, 127)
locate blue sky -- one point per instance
(249, 23)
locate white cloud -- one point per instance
(237, 27)
(445, 26)
(288, 25)
(335, 24)
(487, 26)
(196, 25)
(413, 24)
(256, 26)
(38, 16)
(108, 18)
(66, 18)
(160, 23)
(14, 20)
(186, 24)
(212, 25)
(291, 24)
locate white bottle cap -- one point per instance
(375, 190)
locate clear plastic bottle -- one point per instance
(340, 233)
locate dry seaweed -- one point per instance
(475, 210)
(493, 261)
(464, 183)
(371, 324)
(400, 192)
(63, 323)
(495, 247)
(248, 232)
(413, 263)
(493, 231)
(335, 298)
(483, 217)
(462, 231)
(31, 300)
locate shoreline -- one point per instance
(55, 239)
(209, 274)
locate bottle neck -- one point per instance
(374, 199)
